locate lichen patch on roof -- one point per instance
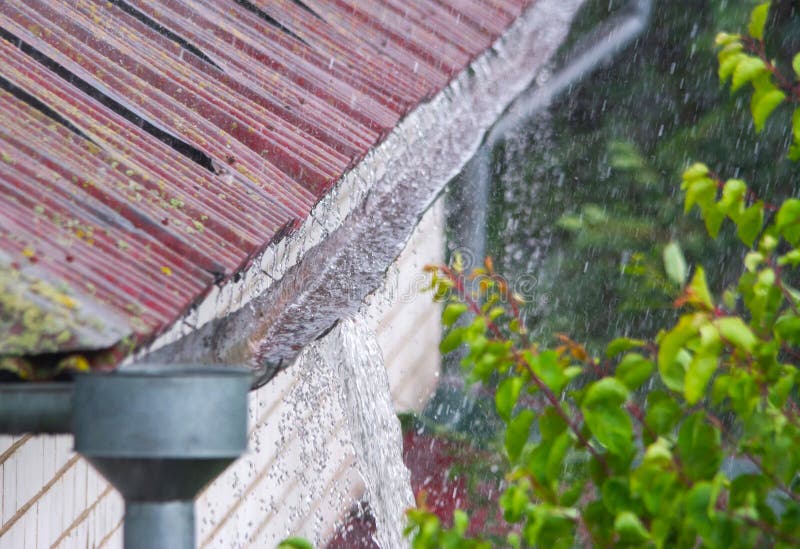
(149, 150)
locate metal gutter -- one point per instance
(296, 292)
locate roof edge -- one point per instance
(470, 105)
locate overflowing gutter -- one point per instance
(296, 290)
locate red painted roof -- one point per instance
(149, 150)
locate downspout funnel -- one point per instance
(159, 434)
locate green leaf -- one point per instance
(608, 391)
(699, 373)
(570, 222)
(550, 527)
(796, 64)
(734, 330)
(630, 529)
(616, 494)
(794, 151)
(547, 367)
(452, 340)
(460, 522)
(768, 242)
(625, 156)
(713, 218)
(749, 223)
(747, 488)
(796, 124)
(788, 328)
(633, 370)
(496, 313)
(622, 344)
(698, 288)
(659, 452)
(513, 502)
(764, 105)
(600, 523)
(295, 543)
(758, 19)
(594, 214)
(571, 372)
(752, 260)
(571, 495)
(733, 193)
(452, 313)
(554, 466)
(720, 388)
(670, 366)
(746, 70)
(698, 502)
(611, 426)
(710, 342)
(727, 65)
(517, 433)
(551, 423)
(507, 395)
(790, 258)
(730, 50)
(724, 39)
(675, 264)
(662, 412)
(781, 389)
(699, 447)
(702, 192)
(698, 170)
(787, 221)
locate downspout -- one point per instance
(603, 43)
(158, 433)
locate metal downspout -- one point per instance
(603, 43)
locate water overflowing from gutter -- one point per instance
(344, 392)
(374, 428)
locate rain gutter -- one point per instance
(601, 45)
(296, 291)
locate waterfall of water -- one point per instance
(374, 427)
(337, 434)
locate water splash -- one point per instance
(336, 441)
(374, 427)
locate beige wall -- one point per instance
(52, 498)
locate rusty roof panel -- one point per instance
(150, 149)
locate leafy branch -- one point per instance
(714, 460)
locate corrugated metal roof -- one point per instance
(149, 150)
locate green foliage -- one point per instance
(758, 19)
(615, 145)
(692, 439)
(295, 543)
(743, 60)
(675, 263)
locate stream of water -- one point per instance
(374, 428)
(344, 381)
